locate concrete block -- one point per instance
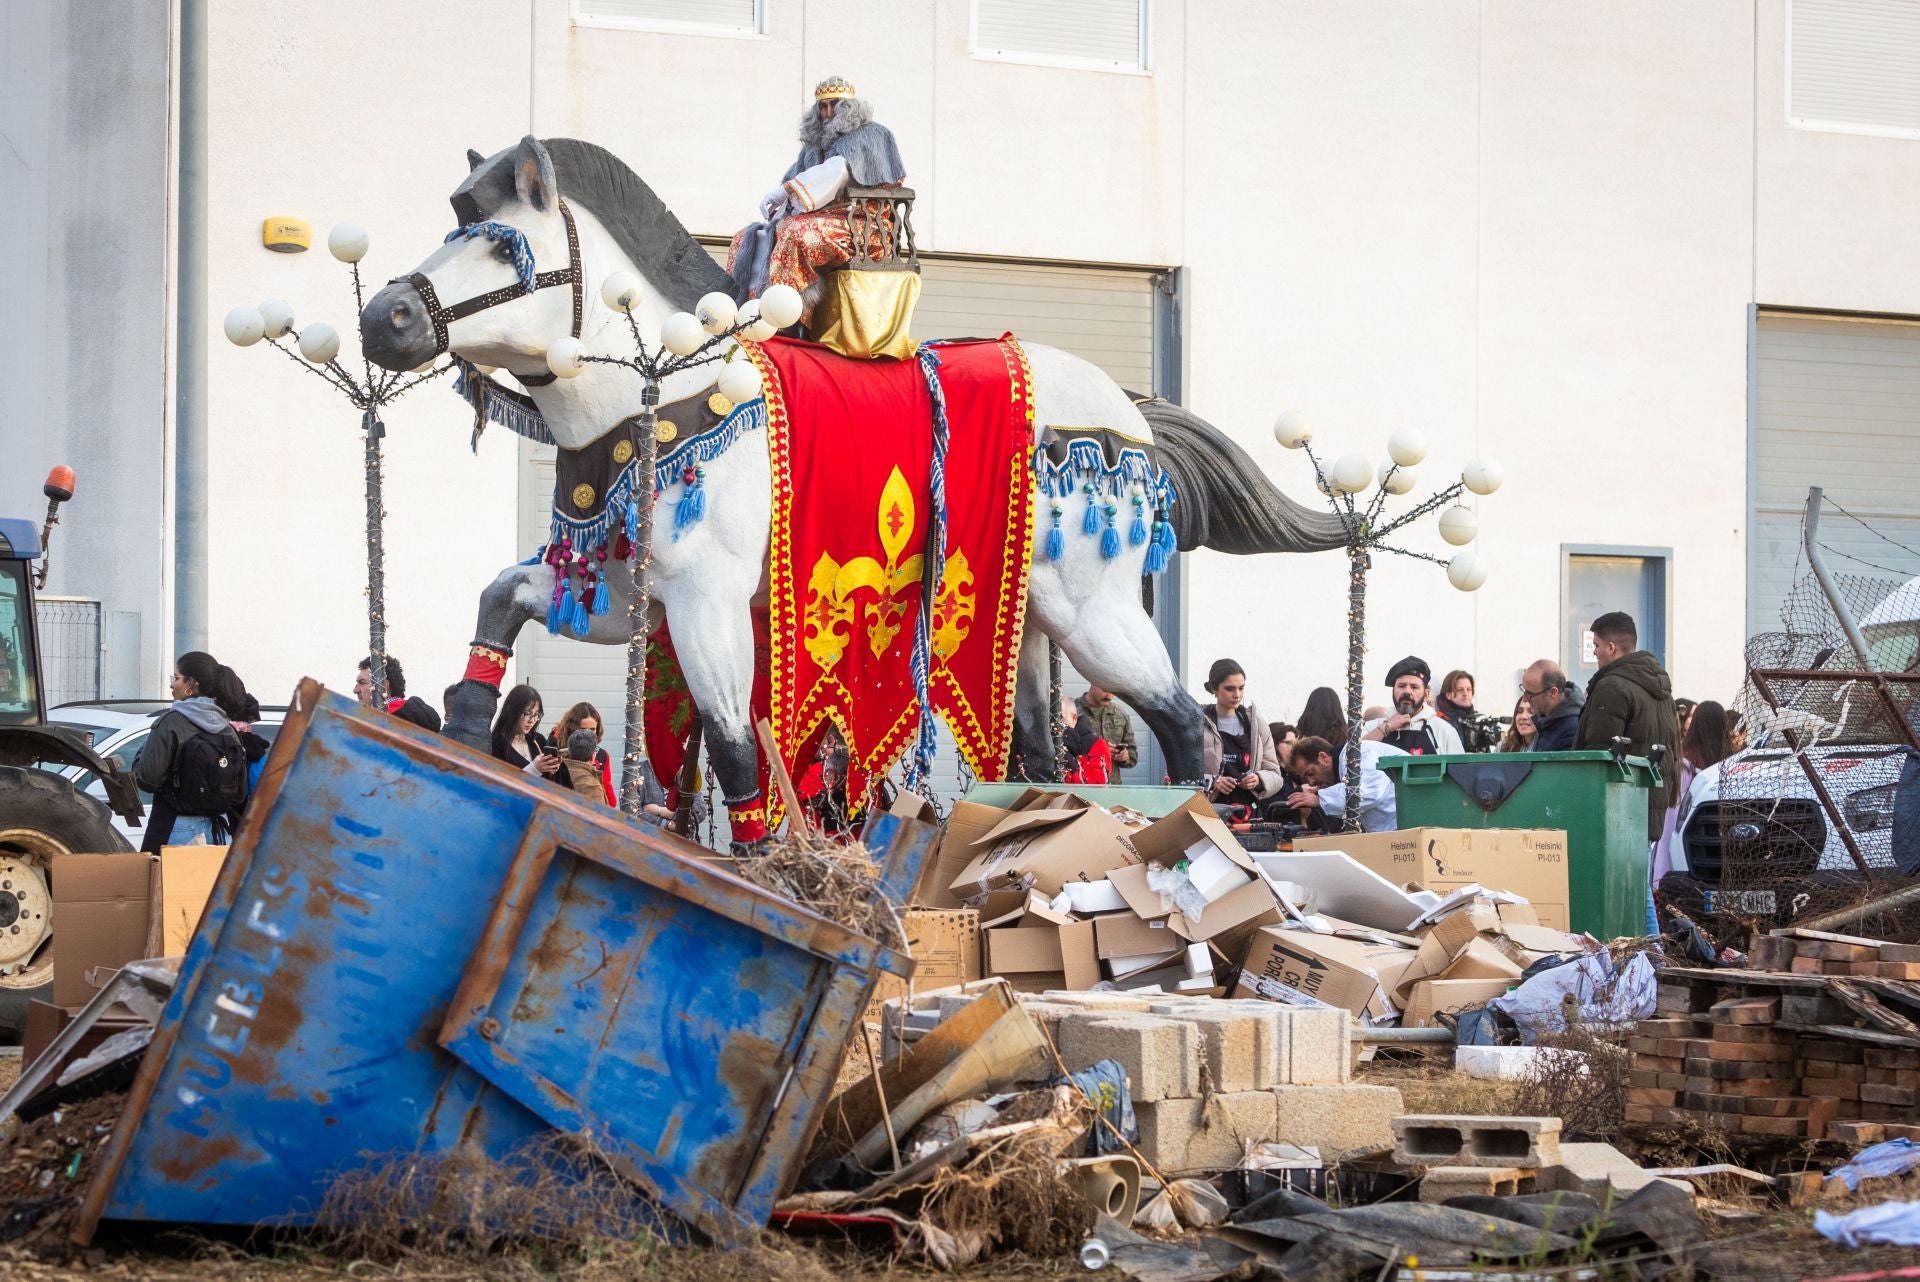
(1598, 1170)
(1101, 1000)
(1231, 1048)
(1048, 1015)
(1336, 1119)
(1189, 1136)
(1443, 1182)
(1430, 1139)
(1317, 1049)
(1161, 1056)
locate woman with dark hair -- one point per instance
(516, 734)
(1322, 718)
(1236, 747)
(1520, 733)
(1707, 742)
(194, 761)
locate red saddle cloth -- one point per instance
(852, 445)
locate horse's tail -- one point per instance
(1223, 500)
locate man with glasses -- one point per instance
(1556, 704)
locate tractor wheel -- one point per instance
(41, 816)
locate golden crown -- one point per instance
(833, 87)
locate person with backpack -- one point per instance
(194, 762)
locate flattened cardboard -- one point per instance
(1349, 973)
(1478, 958)
(1529, 862)
(1045, 849)
(104, 905)
(1046, 948)
(967, 822)
(945, 946)
(1127, 935)
(187, 874)
(1431, 996)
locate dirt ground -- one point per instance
(1758, 1242)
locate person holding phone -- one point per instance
(516, 734)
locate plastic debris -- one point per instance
(1888, 1224)
(1894, 1157)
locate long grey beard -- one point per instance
(848, 115)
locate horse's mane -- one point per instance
(670, 259)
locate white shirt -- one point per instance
(1445, 737)
(1377, 806)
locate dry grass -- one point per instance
(1581, 1078)
(838, 882)
(1432, 1086)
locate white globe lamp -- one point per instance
(319, 343)
(755, 327)
(621, 291)
(739, 380)
(347, 242)
(1350, 474)
(1482, 475)
(681, 334)
(244, 326)
(715, 312)
(278, 315)
(1407, 447)
(1396, 480)
(780, 305)
(1459, 526)
(1292, 430)
(1467, 571)
(563, 356)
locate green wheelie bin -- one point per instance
(1599, 800)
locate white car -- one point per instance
(117, 729)
(1759, 808)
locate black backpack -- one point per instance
(210, 774)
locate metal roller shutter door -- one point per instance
(1838, 405)
(1103, 314)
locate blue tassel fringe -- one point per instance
(1110, 542)
(602, 599)
(1137, 532)
(1090, 524)
(1056, 543)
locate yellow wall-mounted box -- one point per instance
(286, 235)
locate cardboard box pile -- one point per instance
(1069, 896)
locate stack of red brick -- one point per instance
(1818, 1040)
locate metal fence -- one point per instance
(69, 647)
(1803, 825)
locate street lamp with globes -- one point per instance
(1366, 532)
(319, 352)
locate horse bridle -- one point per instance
(443, 314)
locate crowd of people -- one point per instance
(1295, 771)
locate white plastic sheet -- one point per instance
(1888, 1224)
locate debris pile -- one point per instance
(1816, 1039)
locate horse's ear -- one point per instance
(533, 174)
(474, 160)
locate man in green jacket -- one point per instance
(1110, 722)
(1631, 698)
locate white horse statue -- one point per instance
(495, 294)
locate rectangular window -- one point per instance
(687, 17)
(1853, 66)
(1097, 35)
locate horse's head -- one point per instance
(490, 292)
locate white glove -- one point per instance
(773, 204)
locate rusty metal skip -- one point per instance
(413, 949)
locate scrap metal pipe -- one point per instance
(1402, 1036)
(1847, 916)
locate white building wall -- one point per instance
(85, 307)
(1532, 230)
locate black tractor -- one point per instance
(42, 814)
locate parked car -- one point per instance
(117, 729)
(1760, 812)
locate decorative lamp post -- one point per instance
(1366, 531)
(687, 340)
(319, 351)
